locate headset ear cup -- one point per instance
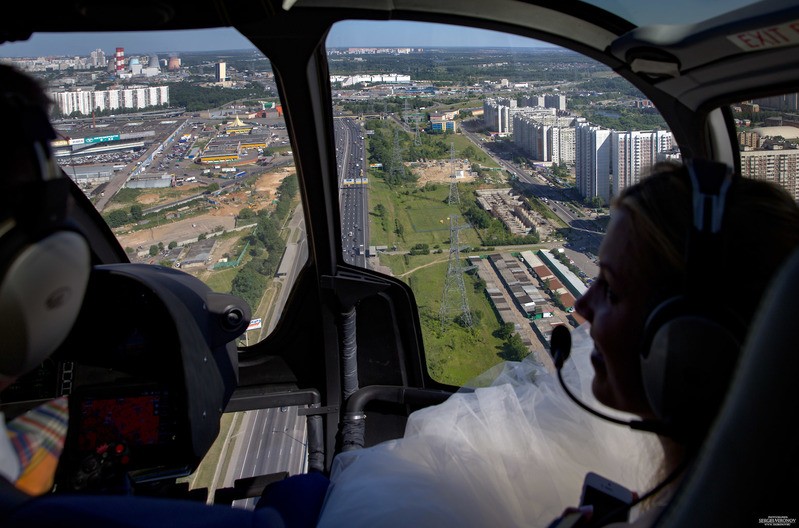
(689, 358)
(654, 359)
(41, 294)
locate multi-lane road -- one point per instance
(354, 193)
(268, 441)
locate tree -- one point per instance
(505, 331)
(595, 202)
(246, 213)
(172, 245)
(420, 249)
(117, 218)
(153, 250)
(136, 212)
(514, 348)
(248, 283)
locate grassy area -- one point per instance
(462, 142)
(404, 265)
(126, 195)
(469, 103)
(220, 281)
(204, 475)
(413, 216)
(454, 354)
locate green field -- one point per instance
(454, 354)
(461, 142)
(413, 216)
(220, 281)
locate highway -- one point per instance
(266, 441)
(272, 440)
(353, 191)
(269, 441)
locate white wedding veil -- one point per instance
(511, 452)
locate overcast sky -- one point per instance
(343, 34)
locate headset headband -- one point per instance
(710, 181)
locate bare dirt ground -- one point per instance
(441, 171)
(223, 214)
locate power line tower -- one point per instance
(454, 287)
(454, 197)
(396, 170)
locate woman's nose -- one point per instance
(583, 305)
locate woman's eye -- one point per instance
(610, 295)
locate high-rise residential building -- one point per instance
(497, 114)
(221, 72)
(531, 100)
(567, 147)
(544, 136)
(97, 58)
(633, 153)
(777, 165)
(79, 101)
(592, 161)
(749, 139)
(86, 101)
(558, 102)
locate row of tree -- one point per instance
(266, 245)
(194, 97)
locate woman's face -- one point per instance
(616, 306)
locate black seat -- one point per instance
(747, 470)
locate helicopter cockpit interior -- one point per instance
(278, 252)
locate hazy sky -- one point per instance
(344, 34)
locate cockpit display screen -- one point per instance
(133, 420)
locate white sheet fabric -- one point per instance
(512, 453)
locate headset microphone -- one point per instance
(560, 348)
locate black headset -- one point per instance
(691, 343)
(44, 262)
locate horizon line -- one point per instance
(228, 50)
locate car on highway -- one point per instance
(382, 338)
